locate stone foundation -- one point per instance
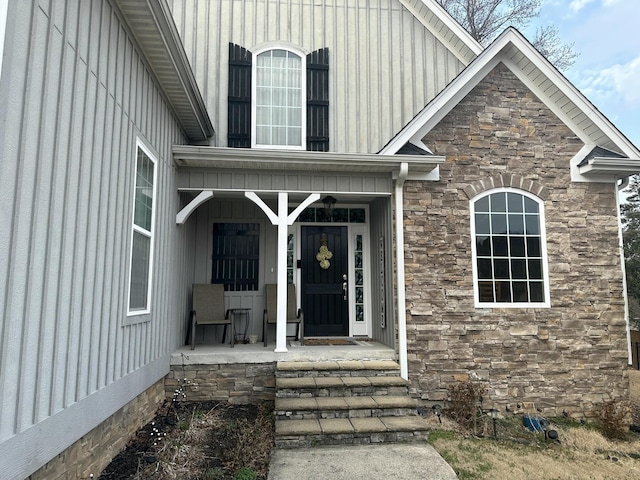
(240, 383)
(95, 450)
(568, 357)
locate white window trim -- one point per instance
(135, 228)
(254, 88)
(543, 246)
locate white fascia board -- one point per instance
(261, 159)
(567, 88)
(613, 168)
(446, 100)
(442, 104)
(448, 21)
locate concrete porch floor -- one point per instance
(258, 353)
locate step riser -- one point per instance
(341, 392)
(355, 413)
(305, 441)
(336, 373)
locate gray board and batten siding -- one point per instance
(384, 65)
(76, 93)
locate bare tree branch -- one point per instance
(485, 19)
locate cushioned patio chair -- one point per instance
(294, 314)
(208, 309)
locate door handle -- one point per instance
(345, 286)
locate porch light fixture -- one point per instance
(329, 202)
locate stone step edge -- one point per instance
(291, 442)
(345, 426)
(364, 402)
(293, 366)
(339, 382)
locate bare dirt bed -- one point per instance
(198, 440)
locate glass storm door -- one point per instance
(325, 299)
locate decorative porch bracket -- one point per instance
(186, 212)
(282, 219)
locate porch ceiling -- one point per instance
(289, 160)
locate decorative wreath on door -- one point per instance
(324, 255)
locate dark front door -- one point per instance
(324, 301)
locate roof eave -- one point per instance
(445, 28)
(299, 160)
(616, 167)
(163, 50)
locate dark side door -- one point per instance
(324, 301)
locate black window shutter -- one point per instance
(318, 100)
(239, 99)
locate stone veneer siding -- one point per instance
(567, 357)
(95, 450)
(238, 383)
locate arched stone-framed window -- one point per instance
(509, 249)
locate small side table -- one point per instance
(241, 319)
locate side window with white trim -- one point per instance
(509, 250)
(140, 272)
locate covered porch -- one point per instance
(259, 217)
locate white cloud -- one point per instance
(619, 83)
(577, 5)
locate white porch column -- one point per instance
(281, 326)
(402, 308)
(282, 219)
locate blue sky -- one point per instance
(606, 33)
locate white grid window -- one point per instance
(509, 250)
(142, 233)
(278, 99)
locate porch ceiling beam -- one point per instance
(183, 214)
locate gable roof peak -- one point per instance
(513, 50)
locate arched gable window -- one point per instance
(279, 99)
(509, 249)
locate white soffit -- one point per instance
(551, 87)
(152, 25)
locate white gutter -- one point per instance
(402, 311)
(617, 187)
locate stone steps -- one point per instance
(344, 402)
(339, 386)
